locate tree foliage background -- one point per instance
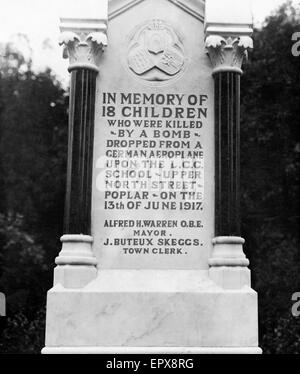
(33, 147)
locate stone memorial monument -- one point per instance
(152, 256)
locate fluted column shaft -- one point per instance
(227, 154)
(80, 152)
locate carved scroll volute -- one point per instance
(227, 54)
(84, 52)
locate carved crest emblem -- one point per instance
(155, 52)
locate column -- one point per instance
(228, 264)
(84, 42)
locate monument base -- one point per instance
(151, 311)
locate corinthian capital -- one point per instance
(83, 42)
(227, 54)
(228, 30)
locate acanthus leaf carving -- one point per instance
(246, 42)
(97, 37)
(83, 51)
(215, 41)
(227, 54)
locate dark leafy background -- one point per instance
(33, 145)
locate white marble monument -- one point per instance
(152, 258)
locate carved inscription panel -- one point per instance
(153, 182)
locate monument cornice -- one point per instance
(196, 8)
(228, 30)
(84, 41)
